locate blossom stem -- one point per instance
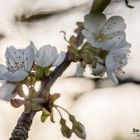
(57, 106)
(58, 111)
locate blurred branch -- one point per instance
(130, 6)
(99, 6)
(43, 14)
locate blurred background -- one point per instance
(109, 112)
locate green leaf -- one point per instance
(79, 130)
(72, 119)
(62, 122)
(55, 96)
(66, 131)
(77, 127)
(45, 115)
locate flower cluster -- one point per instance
(24, 68)
(108, 38)
(21, 62)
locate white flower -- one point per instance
(102, 33)
(107, 35)
(19, 63)
(116, 60)
(48, 56)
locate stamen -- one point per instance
(101, 36)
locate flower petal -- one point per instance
(110, 63)
(113, 41)
(59, 59)
(111, 67)
(29, 57)
(90, 38)
(79, 70)
(10, 56)
(112, 76)
(118, 37)
(15, 77)
(10, 52)
(114, 24)
(47, 56)
(3, 70)
(123, 47)
(93, 22)
(98, 70)
(36, 53)
(7, 91)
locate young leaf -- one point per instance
(72, 119)
(45, 115)
(66, 131)
(79, 130)
(55, 96)
(77, 127)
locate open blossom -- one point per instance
(49, 56)
(116, 60)
(107, 35)
(102, 33)
(19, 63)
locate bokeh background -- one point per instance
(108, 112)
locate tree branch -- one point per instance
(23, 125)
(20, 131)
